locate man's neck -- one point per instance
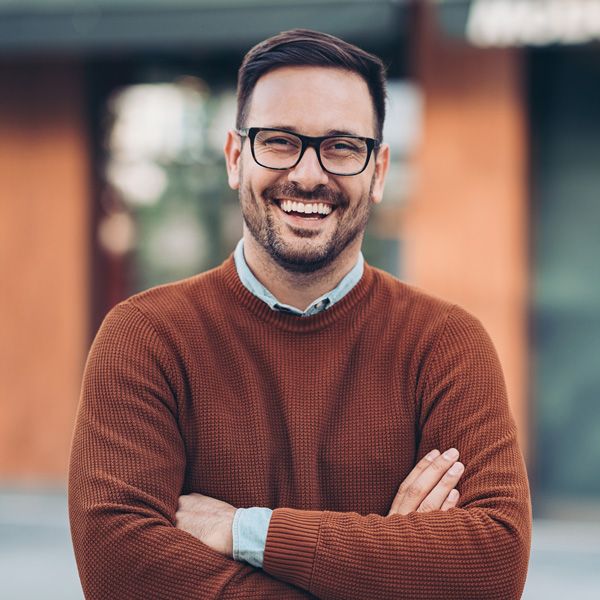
(297, 289)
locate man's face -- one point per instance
(314, 101)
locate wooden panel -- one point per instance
(44, 266)
(466, 224)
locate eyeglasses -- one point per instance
(281, 150)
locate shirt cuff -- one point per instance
(250, 527)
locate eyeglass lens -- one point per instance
(280, 150)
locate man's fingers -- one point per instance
(419, 468)
(438, 495)
(411, 477)
(451, 501)
(421, 481)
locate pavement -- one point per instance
(36, 556)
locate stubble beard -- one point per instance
(310, 257)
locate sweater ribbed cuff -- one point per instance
(291, 545)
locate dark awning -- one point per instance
(99, 26)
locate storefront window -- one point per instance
(566, 311)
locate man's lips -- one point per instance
(281, 199)
(309, 211)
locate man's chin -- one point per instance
(301, 262)
(303, 233)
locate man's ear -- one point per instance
(233, 156)
(382, 164)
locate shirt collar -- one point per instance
(320, 304)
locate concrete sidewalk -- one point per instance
(36, 557)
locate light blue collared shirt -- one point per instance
(250, 525)
(316, 306)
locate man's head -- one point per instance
(310, 84)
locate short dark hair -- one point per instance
(304, 47)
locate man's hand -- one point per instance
(430, 485)
(207, 519)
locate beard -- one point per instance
(306, 255)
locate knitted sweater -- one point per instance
(198, 386)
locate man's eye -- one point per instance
(341, 146)
(283, 142)
(344, 146)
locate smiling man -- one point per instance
(288, 425)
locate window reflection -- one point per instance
(168, 210)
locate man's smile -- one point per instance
(301, 208)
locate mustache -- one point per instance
(291, 190)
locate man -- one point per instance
(272, 428)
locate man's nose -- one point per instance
(308, 173)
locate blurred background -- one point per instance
(112, 120)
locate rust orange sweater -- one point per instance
(198, 386)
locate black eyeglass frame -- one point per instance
(309, 142)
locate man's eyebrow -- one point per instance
(342, 132)
(284, 126)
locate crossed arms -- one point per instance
(128, 469)
(429, 486)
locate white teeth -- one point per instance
(309, 208)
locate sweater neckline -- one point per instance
(356, 297)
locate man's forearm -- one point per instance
(148, 561)
(461, 554)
